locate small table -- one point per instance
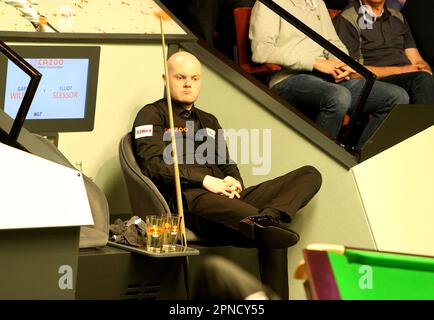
(335, 272)
(180, 251)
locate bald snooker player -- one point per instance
(217, 205)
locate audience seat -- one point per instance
(145, 198)
(334, 12)
(244, 52)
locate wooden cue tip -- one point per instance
(162, 15)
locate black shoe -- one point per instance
(268, 232)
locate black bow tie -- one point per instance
(186, 114)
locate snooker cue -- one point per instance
(181, 223)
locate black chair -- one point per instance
(146, 199)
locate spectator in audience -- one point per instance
(379, 37)
(311, 77)
(419, 14)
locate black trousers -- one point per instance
(419, 86)
(221, 279)
(214, 216)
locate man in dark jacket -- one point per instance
(217, 204)
(380, 38)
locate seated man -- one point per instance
(380, 38)
(217, 204)
(312, 78)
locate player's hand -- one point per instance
(235, 186)
(231, 181)
(218, 186)
(234, 193)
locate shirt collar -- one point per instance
(178, 109)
